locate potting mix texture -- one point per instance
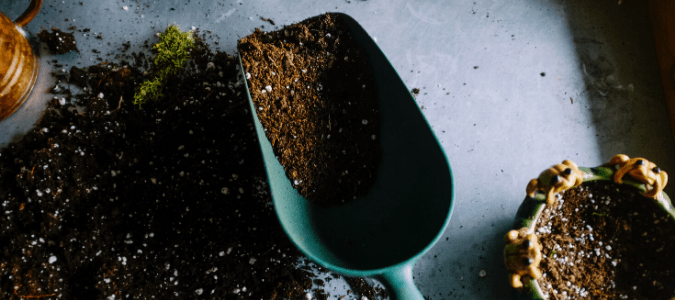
(316, 99)
(606, 241)
(103, 200)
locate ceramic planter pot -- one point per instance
(522, 253)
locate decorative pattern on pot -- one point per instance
(555, 180)
(523, 249)
(522, 255)
(642, 170)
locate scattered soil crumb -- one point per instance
(59, 42)
(267, 20)
(361, 287)
(415, 92)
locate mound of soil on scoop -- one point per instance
(606, 241)
(315, 96)
(103, 200)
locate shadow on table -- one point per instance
(623, 90)
(623, 86)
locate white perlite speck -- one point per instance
(482, 273)
(252, 260)
(199, 291)
(268, 88)
(52, 259)
(308, 296)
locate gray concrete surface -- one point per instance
(480, 66)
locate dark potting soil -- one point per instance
(361, 287)
(415, 92)
(606, 241)
(57, 41)
(106, 201)
(315, 97)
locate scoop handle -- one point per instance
(399, 282)
(29, 14)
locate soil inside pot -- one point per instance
(316, 98)
(606, 241)
(106, 201)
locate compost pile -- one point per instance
(103, 200)
(606, 241)
(315, 96)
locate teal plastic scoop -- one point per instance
(383, 234)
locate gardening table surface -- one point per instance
(509, 88)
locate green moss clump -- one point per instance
(172, 53)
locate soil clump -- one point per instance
(57, 41)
